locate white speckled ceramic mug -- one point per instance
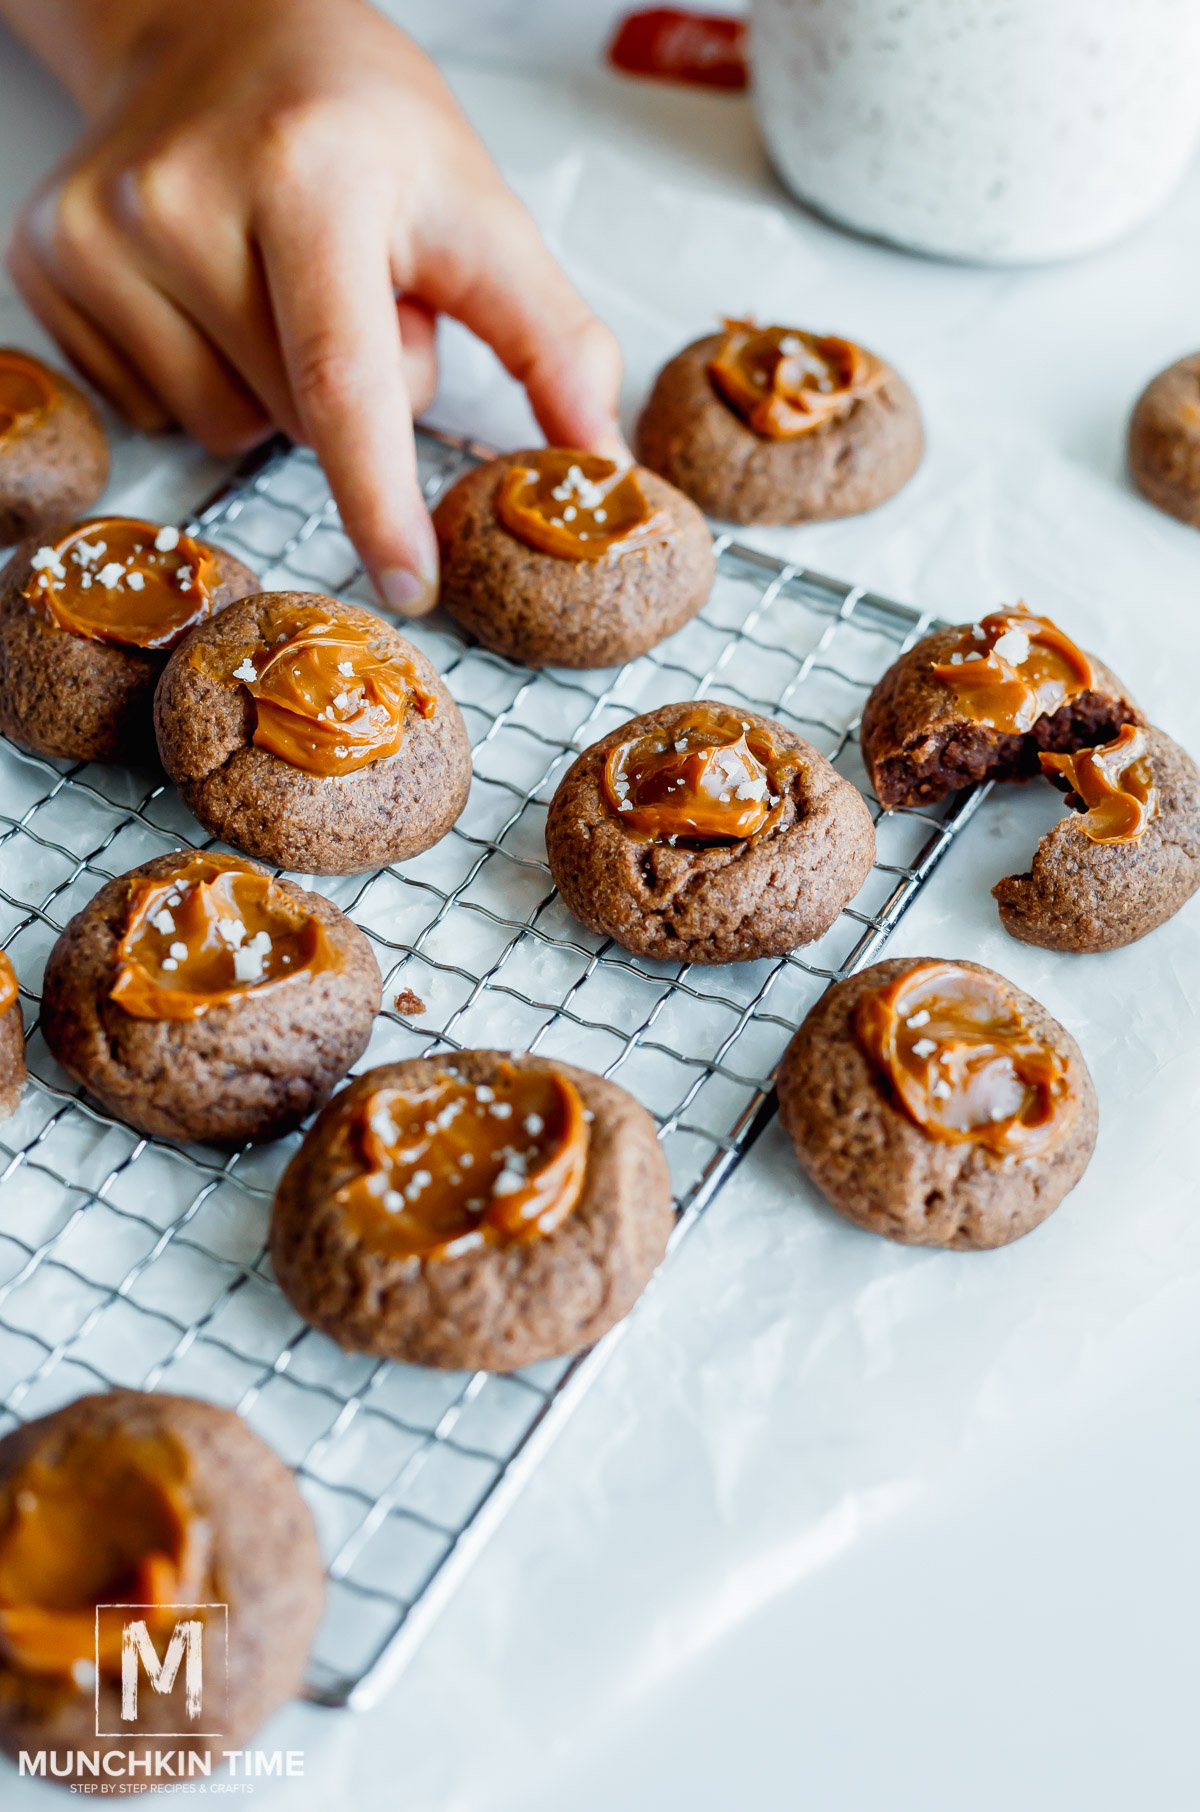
(1004, 131)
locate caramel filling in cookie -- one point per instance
(1112, 786)
(8, 984)
(325, 700)
(783, 382)
(459, 1165)
(211, 933)
(105, 1521)
(963, 1063)
(118, 580)
(578, 506)
(25, 391)
(1012, 668)
(711, 779)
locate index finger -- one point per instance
(329, 278)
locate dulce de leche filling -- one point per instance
(118, 580)
(578, 506)
(26, 391)
(1111, 785)
(325, 700)
(711, 778)
(1011, 668)
(209, 933)
(455, 1165)
(963, 1063)
(8, 984)
(108, 1520)
(784, 382)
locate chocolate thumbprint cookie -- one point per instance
(472, 1210)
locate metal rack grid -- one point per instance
(126, 1260)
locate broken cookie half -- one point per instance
(1123, 859)
(982, 701)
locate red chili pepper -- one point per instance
(708, 49)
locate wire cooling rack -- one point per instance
(131, 1261)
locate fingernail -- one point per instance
(406, 592)
(412, 590)
(611, 444)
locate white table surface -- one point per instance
(844, 1526)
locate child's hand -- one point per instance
(259, 181)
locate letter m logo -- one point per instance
(188, 1668)
(137, 1649)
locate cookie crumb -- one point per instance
(408, 1003)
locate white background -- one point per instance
(845, 1526)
